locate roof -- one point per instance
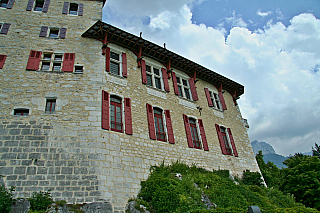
(122, 38)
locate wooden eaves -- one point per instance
(107, 33)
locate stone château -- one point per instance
(86, 107)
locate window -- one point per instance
(116, 62)
(192, 128)
(38, 5)
(4, 28)
(72, 9)
(50, 105)
(156, 122)
(226, 141)
(213, 99)
(53, 32)
(2, 60)
(51, 62)
(21, 112)
(154, 76)
(184, 88)
(78, 68)
(116, 114)
(6, 4)
(112, 113)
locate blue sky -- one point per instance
(270, 47)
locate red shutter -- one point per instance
(63, 32)
(46, 6)
(34, 60)
(222, 145)
(175, 85)
(208, 97)
(80, 10)
(107, 59)
(2, 60)
(5, 28)
(68, 62)
(43, 32)
(203, 135)
(193, 89)
(152, 130)
(124, 65)
(10, 4)
(188, 131)
(30, 5)
(65, 8)
(105, 123)
(169, 126)
(235, 153)
(143, 72)
(165, 79)
(223, 103)
(128, 117)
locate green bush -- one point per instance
(40, 201)
(5, 199)
(252, 178)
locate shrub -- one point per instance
(40, 201)
(252, 178)
(5, 199)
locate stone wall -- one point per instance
(66, 150)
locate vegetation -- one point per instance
(40, 201)
(6, 199)
(166, 191)
(316, 150)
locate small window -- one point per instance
(78, 68)
(54, 33)
(116, 114)
(158, 121)
(38, 6)
(183, 88)
(51, 62)
(4, 3)
(21, 112)
(154, 78)
(50, 105)
(115, 63)
(215, 100)
(73, 9)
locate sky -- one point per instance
(272, 47)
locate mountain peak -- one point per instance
(263, 146)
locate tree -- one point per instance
(302, 179)
(270, 172)
(316, 150)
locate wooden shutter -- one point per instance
(165, 79)
(34, 60)
(80, 10)
(175, 85)
(105, 123)
(152, 130)
(193, 89)
(222, 145)
(124, 65)
(2, 60)
(143, 72)
(169, 126)
(223, 103)
(43, 32)
(46, 6)
(68, 62)
(5, 28)
(107, 59)
(10, 4)
(63, 32)
(188, 131)
(208, 97)
(235, 153)
(65, 8)
(30, 5)
(203, 135)
(127, 114)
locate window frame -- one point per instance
(119, 62)
(182, 87)
(226, 140)
(52, 61)
(157, 128)
(3, 2)
(34, 6)
(69, 9)
(75, 69)
(194, 129)
(115, 104)
(154, 76)
(53, 103)
(20, 112)
(215, 100)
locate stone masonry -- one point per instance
(67, 151)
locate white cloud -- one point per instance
(281, 100)
(263, 14)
